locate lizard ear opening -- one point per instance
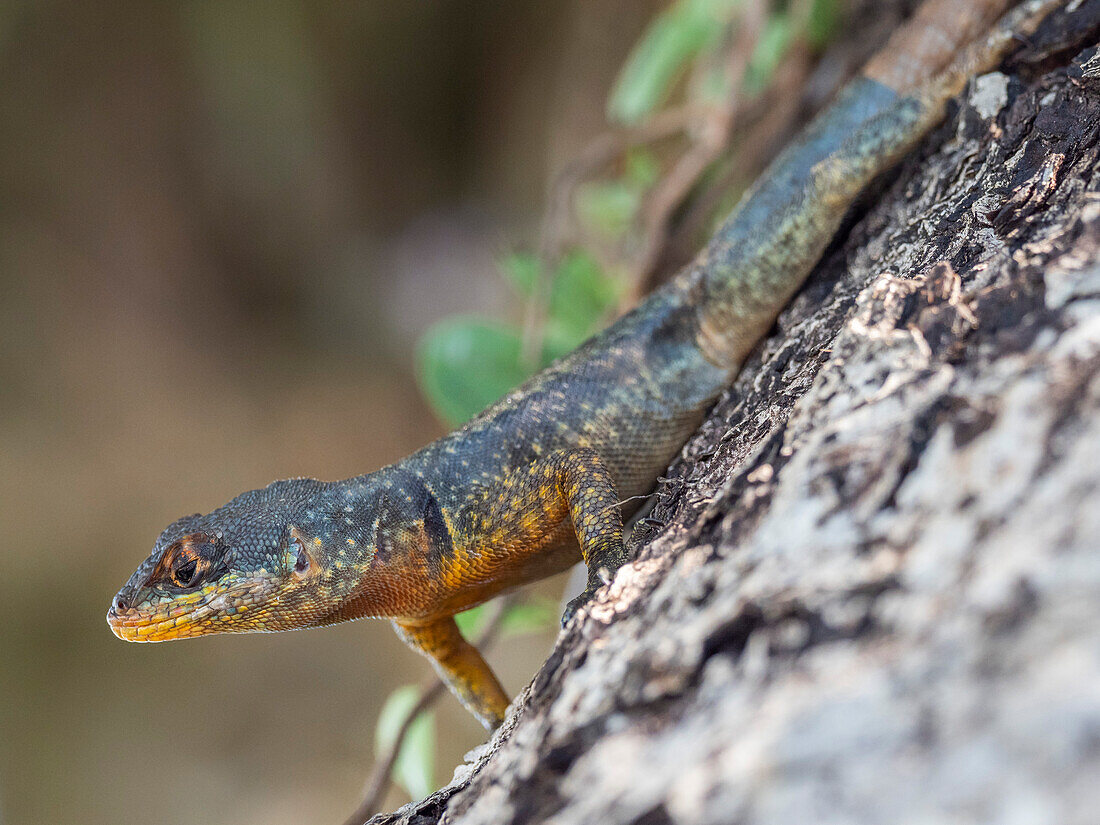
(298, 558)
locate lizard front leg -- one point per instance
(460, 666)
(527, 507)
(593, 504)
(571, 488)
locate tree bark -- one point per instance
(875, 596)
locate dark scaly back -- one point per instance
(635, 392)
(771, 241)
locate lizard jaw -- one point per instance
(152, 630)
(215, 609)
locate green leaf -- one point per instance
(824, 19)
(579, 298)
(533, 616)
(471, 622)
(414, 768)
(557, 342)
(523, 271)
(642, 168)
(770, 49)
(608, 207)
(712, 85)
(521, 619)
(672, 40)
(465, 364)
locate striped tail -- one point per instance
(768, 245)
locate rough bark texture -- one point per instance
(876, 597)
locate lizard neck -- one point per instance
(386, 543)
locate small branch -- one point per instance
(710, 142)
(430, 692)
(558, 225)
(762, 125)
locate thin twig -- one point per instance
(558, 224)
(379, 781)
(599, 153)
(762, 125)
(709, 143)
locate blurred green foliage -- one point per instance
(822, 22)
(775, 39)
(465, 364)
(608, 207)
(531, 616)
(674, 38)
(413, 769)
(693, 34)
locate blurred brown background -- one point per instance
(223, 226)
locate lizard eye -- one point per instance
(186, 573)
(188, 562)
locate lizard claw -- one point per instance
(577, 603)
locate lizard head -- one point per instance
(258, 563)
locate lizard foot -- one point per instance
(575, 604)
(603, 577)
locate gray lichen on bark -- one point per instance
(876, 597)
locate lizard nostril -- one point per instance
(121, 604)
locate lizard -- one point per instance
(538, 481)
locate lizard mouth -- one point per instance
(212, 610)
(160, 625)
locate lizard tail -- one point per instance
(768, 245)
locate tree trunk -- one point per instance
(875, 596)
